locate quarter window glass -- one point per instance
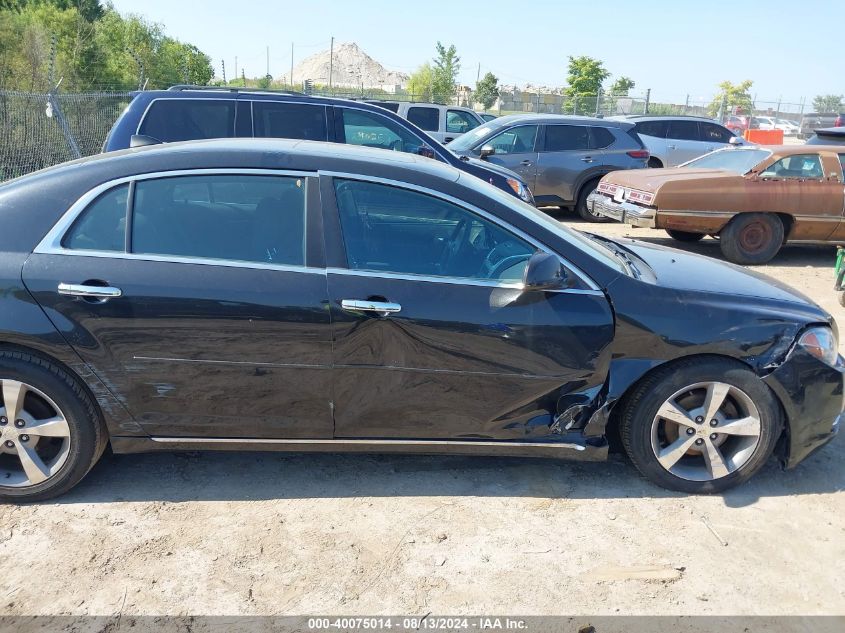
(561, 138)
(371, 130)
(799, 166)
(652, 128)
(188, 119)
(842, 161)
(515, 140)
(458, 121)
(400, 231)
(289, 120)
(230, 217)
(683, 130)
(102, 226)
(427, 119)
(713, 133)
(602, 137)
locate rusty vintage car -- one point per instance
(754, 199)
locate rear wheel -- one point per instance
(684, 236)
(581, 207)
(50, 432)
(655, 163)
(752, 238)
(700, 426)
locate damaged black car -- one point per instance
(282, 295)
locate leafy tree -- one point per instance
(828, 103)
(586, 75)
(732, 95)
(421, 82)
(445, 73)
(622, 86)
(487, 90)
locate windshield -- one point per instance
(466, 142)
(739, 161)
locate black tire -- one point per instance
(684, 236)
(655, 163)
(581, 206)
(88, 438)
(752, 238)
(642, 403)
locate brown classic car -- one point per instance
(753, 198)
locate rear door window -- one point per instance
(684, 130)
(652, 128)
(563, 138)
(602, 137)
(188, 119)
(289, 120)
(427, 119)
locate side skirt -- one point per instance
(570, 447)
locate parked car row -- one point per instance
(817, 120)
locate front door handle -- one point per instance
(382, 308)
(89, 292)
(526, 163)
(587, 159)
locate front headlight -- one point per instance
(820, 342)
(520, 190)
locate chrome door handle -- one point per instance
(525, 163)
(671, 147)
(381, 307)
(587, 159)
(96, 292)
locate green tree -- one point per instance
(622, 86)
(732, 95)
(828, 103)
(421, 82)
(447, 64)
(586, 75)
(487, 90)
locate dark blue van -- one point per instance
(184, 113)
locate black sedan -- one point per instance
(299, 296)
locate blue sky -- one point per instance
(790, 49)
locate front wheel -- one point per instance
(752, 238)
(684, 236)
(700, 426)
(582, 209)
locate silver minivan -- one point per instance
(672, 140)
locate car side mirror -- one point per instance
(544, 272)
(486, 150)
(736, 140)
(142, 140)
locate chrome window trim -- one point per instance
(586, 279)
(51, 244)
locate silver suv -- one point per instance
(672, 140)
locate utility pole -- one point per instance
(268, 61)
(223, 63)
(647, 99)
(243, 77)
(236, 67)
(331, 64)
(478, 75)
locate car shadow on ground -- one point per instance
(219, 476)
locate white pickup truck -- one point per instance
(443, 123)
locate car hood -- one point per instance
(653, 179)
(680, 270)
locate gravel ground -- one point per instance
(232, 534)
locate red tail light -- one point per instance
(839, 122)
(638, 153)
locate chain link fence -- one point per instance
(38, 130)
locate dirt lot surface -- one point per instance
(275, 534)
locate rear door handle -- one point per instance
(380, 307)
(525, 163)
(94, 292)
(587, 159)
